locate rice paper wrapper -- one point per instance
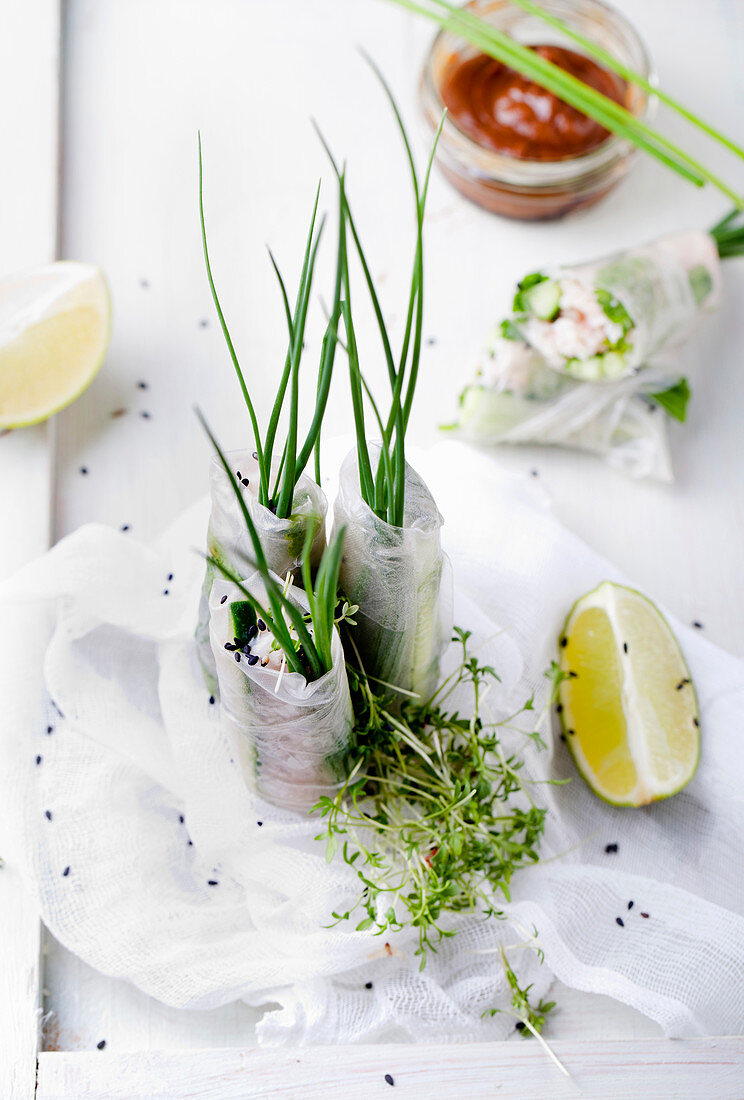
(290, 737)
(518, 398)
(229, 542)
(401, 579)
(664, 286)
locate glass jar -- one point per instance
(531, 189)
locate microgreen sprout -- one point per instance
(304, 637)
(295, 453)
(435, 816)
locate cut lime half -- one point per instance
(54, 331)
(628, 706)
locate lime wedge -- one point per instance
(54, 331)
(628, 706)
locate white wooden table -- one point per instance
(137, 79)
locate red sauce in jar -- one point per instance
(504, 111)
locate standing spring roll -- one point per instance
(289, 733)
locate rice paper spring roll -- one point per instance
(228, 540)
(401, 580)
(289, 734)
(608, 319)
(516, 398)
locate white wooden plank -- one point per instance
(519, 1070)
(29, 92)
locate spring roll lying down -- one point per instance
(608, 319)
(517, 398)
(289, 735)
(229, 542)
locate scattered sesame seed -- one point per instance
(564, 642)
(211, 700)
(620, 921)
(535, 473)
(559, 708)
(625, 647)
(610, 849)
(224, 599)
(264, 662)
(252, 632)
(681, 684)
(253, 659)
(368, 985)
(204, 323)
(66, 872)
(698, 625)
(101, 1045)
(145, 415)
(170, 576)
(229, 647)
(212, 882)
(563, 738)
(48, 815)
(519, 1026)
(645, 915)
(389, 1079)
(181, 818)
(142, 385)
(695, 722)
(124, 527)
(237, 658)
(259, 823)
(571, 733)
(631, 904)
(83, 470)
(261, 624)
(165, 591)
(144, 283)
(573, 675)
(38, 761)
(50, 729)
(244, 481)
(189, 844)
(431, 341)
(255, 455)
(238, 474)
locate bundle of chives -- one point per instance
(294, 457)
(569, 88)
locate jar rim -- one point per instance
(539, 174)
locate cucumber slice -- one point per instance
(543, 299)
(613, 364)
(243, 618)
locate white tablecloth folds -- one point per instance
(153, 863)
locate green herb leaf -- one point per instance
(675, 399)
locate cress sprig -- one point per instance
(613, 116)
(308, 653)
(435, 816)
(295, 454)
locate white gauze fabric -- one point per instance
(184, 883)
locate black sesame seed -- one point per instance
(620, 921)
(252, 632)
(253, 659)
(563, 737)
(535, 473)
(165, 591)
(229, 647)
(519, 1026)
(170, 577)
(212, 882)
(697, 625)
(48, 815)
(189, 844)
(564, 642)
(389, 1079)
(38, 761)
(559, 708)
(645, 916)
(224, 599)
(255, 455)
(431, 341)
(101, 1045)
(124, 527)
(142, 385)
(368, 985)
(244, 481)
(631, 904)
(695, 722)
(247, 650)
(181, 818)
(571, 733)
(681, 684)
(610, 849)
(144, 283)
(211, 700)
(204, 323)
(66, 872)
(237, 658)
(625, 647)
(259, 823)
(261, 624)
(145, 415)
(50, 729)
(83, 470)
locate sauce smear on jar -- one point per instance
(504, 111)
